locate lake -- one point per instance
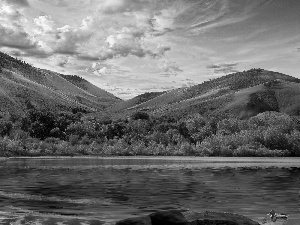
(103, 190)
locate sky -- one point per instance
(129, 47)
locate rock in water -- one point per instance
(172, 217)
(144, 220)
(217, 218)
(175, 217)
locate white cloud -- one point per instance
(12, 30)
(111, 4)
(64, 29)
(45, 24)
(102, 71)
(87, 23)
(62, 40)
(163, 21)
(169, 68)
(99, 36)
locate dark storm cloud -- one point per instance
(15, 39)
(22, 3)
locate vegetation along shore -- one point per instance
(250, 113)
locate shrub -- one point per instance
(19, 135)
(294, 143)
(230, 126)
(138, 148)
(140, 116)
(218, 145)
(85, 140)
(74, 139)
(254, 151)
(274, 138)
(202, 150)
(10, 148)
(268, 119)
(186, 149)
(5, 127)
(154, 148)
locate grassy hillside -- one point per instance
(134, 102)
(242, 95)
(253, 113)
(90, 88)
(23, 85)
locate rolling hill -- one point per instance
(242, 95)
(134, 102)
(22, 85)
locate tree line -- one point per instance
(41, 132)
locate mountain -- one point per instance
(23, 86)
(87, 86)
(242, 95)
(134, 102)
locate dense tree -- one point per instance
(5, 127)
(140, 116)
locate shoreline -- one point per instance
(172, 158)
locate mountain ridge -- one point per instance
(212, 97)
(23, 84)
(242, 94)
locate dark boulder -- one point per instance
(175, 217)
(217, 218)
(172, 217)
(144, 220)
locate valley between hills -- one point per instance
(249, 113)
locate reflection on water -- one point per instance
(95, 189)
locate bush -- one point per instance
(5, 127)
(74, 139)
(85, 140)
(9, 148)
(218, 145)
(294, 143)
(19, 135)
(186, 149)
(140, 116)
(254, 151)
(230, 126)
(274, 138)
(268, 119)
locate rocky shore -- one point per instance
(175, 217)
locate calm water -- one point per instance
(103, 190)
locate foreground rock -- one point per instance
(175, 217)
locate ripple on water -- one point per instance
(87, 190)
(85, 201)
(19, 216)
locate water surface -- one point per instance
(104, 190)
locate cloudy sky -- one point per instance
(129, 47)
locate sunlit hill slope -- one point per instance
(242, 95)
(22, 85)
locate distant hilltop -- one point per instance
(243, 95)
(23, 86)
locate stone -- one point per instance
(176, 217)
(217, 218)
(144, 220)
(172, 217)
